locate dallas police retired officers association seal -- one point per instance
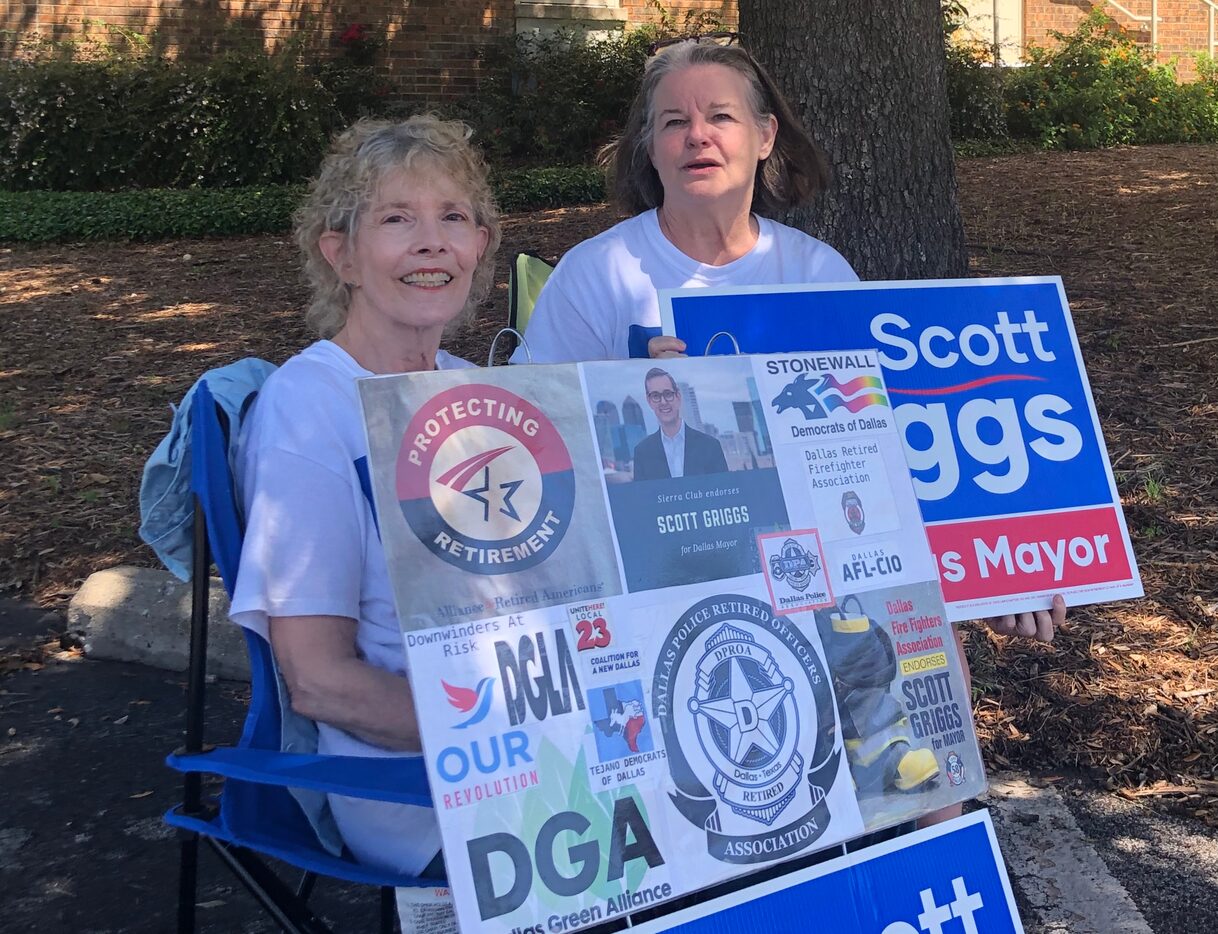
(745, 706)
(484, 480)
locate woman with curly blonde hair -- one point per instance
(398, 235)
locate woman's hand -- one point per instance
(664, 346)
(1039, 625)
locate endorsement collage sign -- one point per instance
(661, 632)
(997, 417)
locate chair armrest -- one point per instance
(402, 780)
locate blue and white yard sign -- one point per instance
(996, 413)
(947, 879)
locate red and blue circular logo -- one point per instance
(485, 481)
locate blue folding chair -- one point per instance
(256, 815)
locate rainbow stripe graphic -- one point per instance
(830, 384)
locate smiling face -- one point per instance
(706, 141)
(665, 401)
(413, 255)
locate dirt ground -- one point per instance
(98, 340)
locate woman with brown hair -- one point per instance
(710, 156)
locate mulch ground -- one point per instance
(99, 339)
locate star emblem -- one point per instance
(499, 497)
(746, 713)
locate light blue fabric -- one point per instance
(166, 507)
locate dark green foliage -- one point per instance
(1097, 87)
(41, 216)
(38, 216)
(554, 99)
(129, 119)
(531, 189)
(143, 122)
(974, 94)
(1100, 88)
(974, 85)
(358, 90)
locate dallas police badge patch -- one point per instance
(484, 480)
(745, 706)
(793, 565)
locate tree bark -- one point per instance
(867, 78)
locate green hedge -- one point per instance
(556, 97)
(1096, 87)
(96, 116)
(44, 216)
(151, 214)
(1099, 88)
(532, 189)
(117, 123)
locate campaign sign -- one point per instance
(997, 418)
(661, 634)
(947, 879)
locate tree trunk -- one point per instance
(867, 77)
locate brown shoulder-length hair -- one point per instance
(791, 176)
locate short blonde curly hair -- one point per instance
(358, 160)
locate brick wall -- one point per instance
(432, 44)
(641, 11)
(1183, 25)
(432, 51)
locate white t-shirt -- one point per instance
(311, 548)
(602, 301)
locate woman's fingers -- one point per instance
(1052, 619)
(1003, 625)
(1040, 625)
(665, 346)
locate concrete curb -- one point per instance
(143, 615)
(1055, 865)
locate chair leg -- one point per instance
(270, 891)
(389, 909)
(188, 877)
(305, 888)
(196, 693)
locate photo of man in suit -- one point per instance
(676, 450)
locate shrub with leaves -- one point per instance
(358, 90)
(533, 189)
(41, 216)
(142, 121)
(974, 83)
(1098, 87)
(155, 214)
(975, 93)
(556, 98)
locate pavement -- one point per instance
(83, 787)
